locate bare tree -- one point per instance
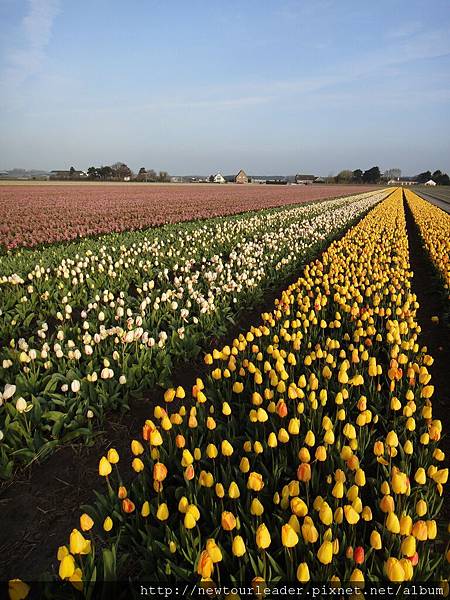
(392, 174)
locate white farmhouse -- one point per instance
(219, 178)
(430, 182)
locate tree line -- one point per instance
(438, 177)
(374, 175)
(120, 171)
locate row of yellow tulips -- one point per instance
(434, 226)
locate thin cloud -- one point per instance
(158, 106)
(36, 26)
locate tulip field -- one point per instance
(307, 449)
(92, 323)
(39, 214)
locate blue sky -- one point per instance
(272, 86)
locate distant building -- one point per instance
(219, 178)
(430, 182)
(258, 180)
(305, 179)
(58, 175)
(277, 181)
(402, 181)
(241, 177)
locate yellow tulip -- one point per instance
(214, 551)
(189, 521)
(205, 566)
(228, 521)
(78, 544)
(136, 448)
(394, 570)
(326, 514)
(408, 547)
(350, 514)
(357, 576)
(163, 512)
(299, 507)
(86, 523)
(169, 395)
(421, 508)
(272, 441)
(338, 490)
(321, 453)
(233, 491)
(375, 540)
(187, 458)
(113, 456)
(325, 553)
(431, 529)
(303, 573)
(263, 538)
(238, 546)
(420, 476)
(67, 567)
(289, 537)
(104, 467)
(137, 465)
(405, 525)
(255, 482)
(256, 508)
(227, 448)
(392, 523)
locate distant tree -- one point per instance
(121, 170)
(372, 175)
(152, 175)
(105, 172)
(440, 178)
(72, 171)
(163, 176)
(423, 177)
(142, 174)
(357, 176)
(344, 176)
(93, 173)
(392, 174)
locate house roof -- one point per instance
(65, 171)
